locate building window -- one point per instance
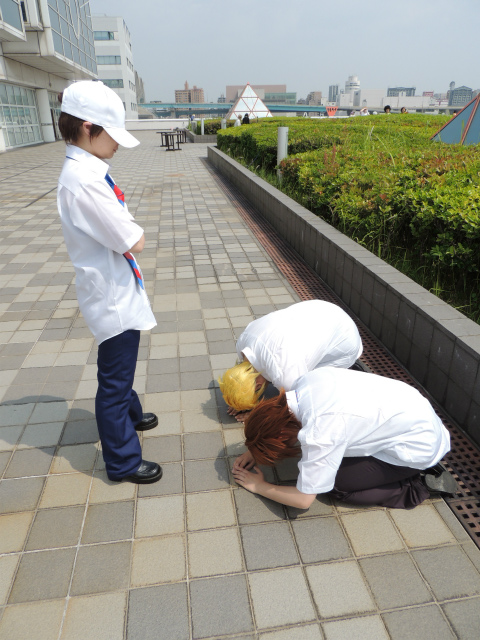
(72, 31)
(10, 13)
(109, 60)
(104, 35)
(113, 83)
(18, 116)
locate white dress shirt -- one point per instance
(353, 414)
(97, 231)
(284, 345)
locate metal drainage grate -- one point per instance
(463, 461)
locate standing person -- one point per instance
(283, 346)
(363, 438)
(246, 119)
(102, 238)
(238, 121)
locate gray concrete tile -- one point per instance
(14, 529)
(55, 528)
(320, 540)
(100, 616)
(30, 462)
(364, 628)
(308, 632)
(268, 546)
(449, 572)
(204, 556)
(210, 510)
(203, 445)
(4, 458)
(233, 616)
(280, 597)
(35, 620)
(464, 616)
(422, 526)
(43, 576)
(195, 380)
(80, 432)
(371, 532)
(255, 509)
(108, 521)
(205, 475)
(158, 516)
(171, 482)
(44, 436)
(422, 622)
(159, 612)
(157, 560)
(101, 568)
(408, 587)
(339, 589)
(162, 449)
(20, 494)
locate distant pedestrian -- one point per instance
(364, 112)
(387, 108)
(246, 119)
(238, 121)
(403, 110)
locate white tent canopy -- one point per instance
(250, 103)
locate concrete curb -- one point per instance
(438, 345)
(193, 137)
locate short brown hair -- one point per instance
(271, 431)
(70, 126)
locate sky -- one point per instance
(305, 44)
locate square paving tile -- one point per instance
(321, 539)
(101, 616)
(233, 616)
(80, 432)
(35, 621)
(108, 521)
(157, 560)
(171, 482)
(41, 436)
(168, 423)
(159, 516)
(49, 412)
(339, 589)
(449, 572)
(280, 597)
(159, 612)
(268, 546)
(8, 566)
(321, 506)
(20, 494)
(43, 576)
(205, 475)
(255, 509)
(371, 532)
(78, 457)
(206, 420)
(64, 490)
(17, 414)
(101, 568)
(4, 459)
(56, 528)
(407, 588)
(9, 437)
(204, 556)
(162, 449)
(422, 526)
(30, 462)
(422, 622)
(13, 531)
(366, 628)
(309, 632)
(105, 490)
(464, 616)
(203, 445)
(210, 510)
(190, 380)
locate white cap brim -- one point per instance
(122, 136)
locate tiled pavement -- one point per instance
(192, 556)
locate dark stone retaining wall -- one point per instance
(437, 344)
(193, 137)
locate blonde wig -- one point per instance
(238, 387)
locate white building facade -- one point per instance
(113, 49)
(44, 45)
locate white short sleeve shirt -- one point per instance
(286, 344)
(352, 414)
(97, 231)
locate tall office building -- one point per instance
(333, 92)
(113, 49)
(401, 92)
(186, 95)
(44, 44)
(460, 96)
(352, 84)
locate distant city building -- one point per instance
(113, 49)
(234, 91)
(428, 94)
(460, 96)
(37, 62)
(333, 92)
(282, 97)
(314, 98)
(140, 89)
(475, 93)
(186, 94)
(401, 91)
(221, 99)
(301, 101)
(352, 84)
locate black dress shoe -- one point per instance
(146, 473)
(443, 483)
(149, 421)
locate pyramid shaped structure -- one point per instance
(464, 128)
(250, 103)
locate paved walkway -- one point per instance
(192, 556)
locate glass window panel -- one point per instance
(18, 135)
(76, 54)
(53, 3)
(62, 9)
(64, 28)
(57, 42)
(34, 116)
(30, 133)
(7, 114)
(54, 20)
(83, 59)
(11, 14)
(10, 94)
(25, 139)
(11, 138)
(68, 49)
(74, 12)
(31, 98)
(3, 94)
(37, 134)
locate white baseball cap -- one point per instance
(94, 102)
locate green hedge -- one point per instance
(383, 182)
(211, 127)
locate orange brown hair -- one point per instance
(271, 431)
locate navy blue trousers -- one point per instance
(117, 407)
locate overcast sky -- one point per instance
(305, 44)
